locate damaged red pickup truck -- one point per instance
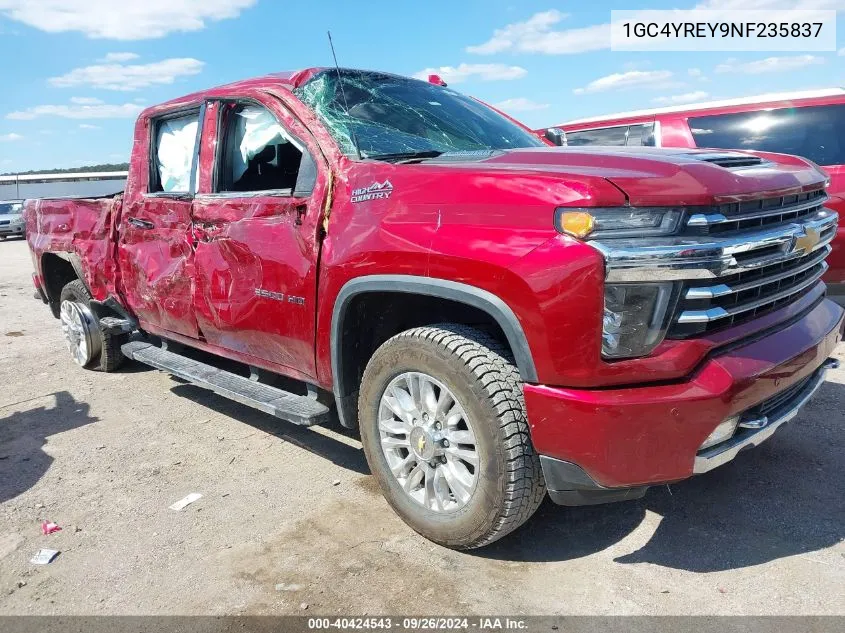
(498, 317)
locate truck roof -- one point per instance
(287, 80)
(705, 105)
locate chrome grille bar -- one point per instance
(721, 290)
(714, 314)
(711, 219)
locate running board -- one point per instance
(288, 406)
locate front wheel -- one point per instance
(444, 429)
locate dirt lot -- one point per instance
(290, 516)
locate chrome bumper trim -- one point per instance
(722, 453)
(709, 257)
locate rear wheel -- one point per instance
(88, 344)
(443, 425)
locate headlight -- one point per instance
(635, 318)
(618, 222)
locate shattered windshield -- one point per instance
(392, 115)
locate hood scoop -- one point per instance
(729, 160)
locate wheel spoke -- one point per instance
(391, 443)
(400, 469)
(470, 457)
(460, 488)
(461, 437)
(429, 495)
(441, 488)
(414, 478)
(455, 415)
(394, 426)
(428, 398)
(443, 403)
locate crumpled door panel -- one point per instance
(156, 263)
(255, 278)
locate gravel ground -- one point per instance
(291, 522)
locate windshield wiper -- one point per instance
(404, 157)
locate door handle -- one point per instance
(141, 224)
(301, 210)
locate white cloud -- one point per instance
(519, 104)
(485, 72)
(74, 111)
(11, 136)
(118, 57)
(121, 20)
(630, 79)
(88, 126)
(85, 100)
(129, 77)
(769, 65)
(694, 72)
(535, 35)
(687, 97)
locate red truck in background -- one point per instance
(499, 318)
(809, 124)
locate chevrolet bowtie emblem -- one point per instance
(807, 241)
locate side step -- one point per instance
(283, 404)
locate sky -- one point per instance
(77, 72)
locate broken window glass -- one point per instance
(175, 142)
(381, 114)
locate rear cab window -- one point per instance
(814, 132)
(173, 164)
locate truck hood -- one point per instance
(662, 176)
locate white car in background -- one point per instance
(11, 219)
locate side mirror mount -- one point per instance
(556, 136)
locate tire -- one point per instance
(110, 357)
(480, 375)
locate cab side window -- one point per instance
(598, 136)
(258, 154)
(618, 135)
(174, 147)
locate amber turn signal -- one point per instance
(576, 223)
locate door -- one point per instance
(154, 243)
(256, 225)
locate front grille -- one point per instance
(754, 214)
(4, 222)
(745, 295)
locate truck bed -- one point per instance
(80, 231)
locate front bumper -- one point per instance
(9, 230)
(631, 438)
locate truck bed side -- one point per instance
(73, 235)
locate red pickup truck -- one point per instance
(499, 318)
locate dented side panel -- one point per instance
(157, 263)
(78, 230)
